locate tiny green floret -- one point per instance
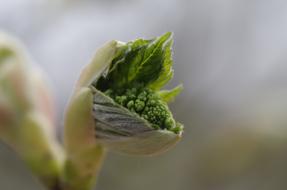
(148, 105)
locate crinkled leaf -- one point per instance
(166, 72)
(141, 62)
(153, 64)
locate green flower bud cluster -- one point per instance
(147, 104)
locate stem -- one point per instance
(57, 186)
(80, 173)
(84, 155)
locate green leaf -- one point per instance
(153, 64)
(169, 95)
(166, 72)
(140, 62)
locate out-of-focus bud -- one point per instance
(26, 116)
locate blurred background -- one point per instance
(231, 56)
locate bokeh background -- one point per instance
(231, 56)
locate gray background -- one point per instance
(229, 54)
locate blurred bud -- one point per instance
(26, 116)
